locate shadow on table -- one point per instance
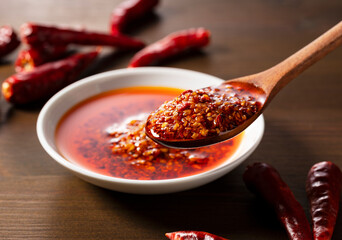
(4, 61)
(6, 111)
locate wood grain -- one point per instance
(41, 200)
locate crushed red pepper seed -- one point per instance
(154, 161)
(131, 141)
(202, 113)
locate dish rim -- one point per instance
(79, 170)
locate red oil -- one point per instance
(82, 137)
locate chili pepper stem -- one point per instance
(7, 90)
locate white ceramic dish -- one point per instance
(149, 76)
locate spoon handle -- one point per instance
(275, 78)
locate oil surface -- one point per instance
(82, 137)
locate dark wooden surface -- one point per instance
(41, 200)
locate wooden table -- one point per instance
(41, 200)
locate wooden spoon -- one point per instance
(265, 85)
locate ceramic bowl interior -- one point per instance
(59, 104)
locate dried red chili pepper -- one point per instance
(34, 34)
(193, 235)
(264, 181)
(33, 57)
(8, 40)
(127, 12)
(45, 80)
(323, 187)
(171, 45)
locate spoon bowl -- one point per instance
(261, 88)
(258, 96)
